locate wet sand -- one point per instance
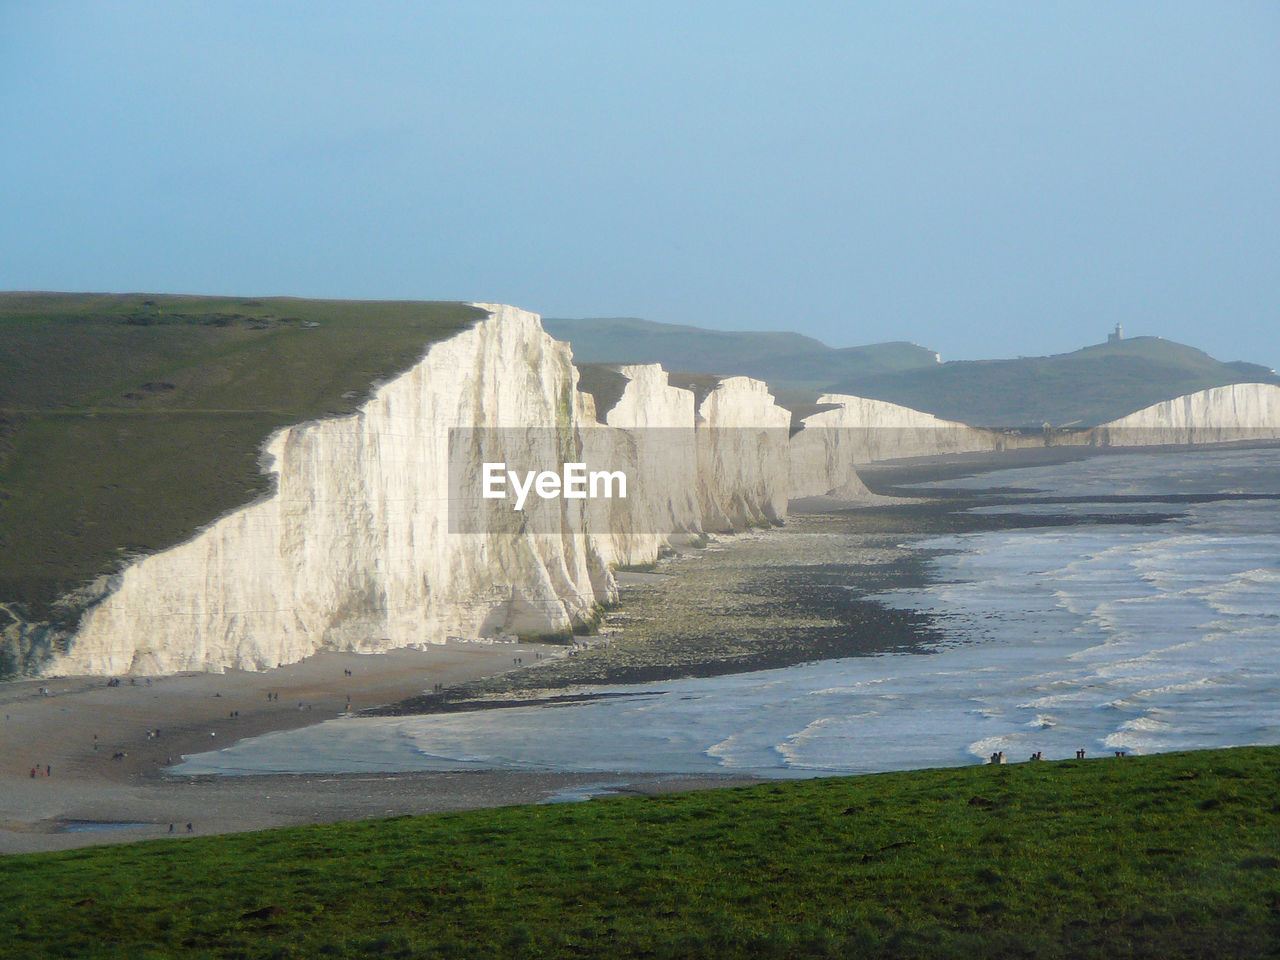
(80, 728)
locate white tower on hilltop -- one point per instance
(1117, 335)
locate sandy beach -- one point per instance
(106, 762)
(107, 747)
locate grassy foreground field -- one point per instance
(1167, 856)
(129, 421)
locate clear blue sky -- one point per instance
(989, 179)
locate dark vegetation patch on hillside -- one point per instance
(801, 410)
(699, 384)
(1169, 856)
(605, 384)
(129, 421)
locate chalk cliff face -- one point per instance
(825, 454)
(352, 551)
(1238, 412)
(743, 461)
(649, 432)
(712, 465)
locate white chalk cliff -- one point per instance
(1234, 413)
(353, 551)
(648, 433)
(834, 442)
(743, 461)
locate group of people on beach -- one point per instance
(39, 771)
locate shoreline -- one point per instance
(90, 797)
(753, 601)
(813, 598)
(82, 727)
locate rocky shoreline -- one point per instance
(767, 599)
(756, 601)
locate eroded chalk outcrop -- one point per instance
(743, 456)
(648, 431)
(710, 460)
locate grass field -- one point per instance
(129, 421)
(1166, 856)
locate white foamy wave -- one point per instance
(1250, 593)
(1011, 744)
(791, 750)
(851, 688)
(724, 752)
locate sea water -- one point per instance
(1119, 635)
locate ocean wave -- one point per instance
(1134, 698)
(789, 750)
(723, 752)
(856, 688)
(1010, 743)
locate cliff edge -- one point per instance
(352, 548)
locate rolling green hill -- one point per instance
(129, 421)
(1169, 856)
(1084, 388)
(786, 360)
